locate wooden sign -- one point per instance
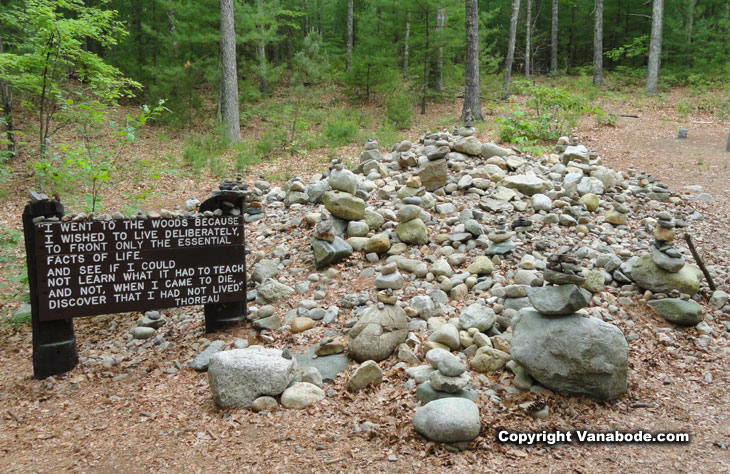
(99, 267)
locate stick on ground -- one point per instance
(699, 261)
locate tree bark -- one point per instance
(554, 39)
(7, 102)
(229, 96)
(172, 28)
(261, 49)
(571, 39)
(655, 46)
(689, 26)
(350, 8)
(406, 50)
(528, 40)
(472, 95)
(598, 44)
(438, 73)
(425, 67)
(511, 45)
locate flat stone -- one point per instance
(329, 366)
(426, 393)
(558, 300)
(445, 383)
(344, 205)
(678, 311)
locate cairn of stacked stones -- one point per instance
(411, 229)
(562, 349)
(328, 248)
(676, 306)
(501, 238)
(389, 278)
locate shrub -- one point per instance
(549, 112)
(399, 109)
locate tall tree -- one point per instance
(571, 39)
(528, 40)
(689, 24)
(655, 46)
(6, 102)
(598, 44)
(229, 82)
(406, 46)
(261, 48)
(438, 72)
(511, 45)
(554, 39)
(350, 8)
(472, 98)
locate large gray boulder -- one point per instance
(527, 184)
(650, 276)
(378, 332)
(448, 420)
(572, 354)
(239, 376)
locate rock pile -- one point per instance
(485, 259)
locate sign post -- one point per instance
(54, 342)
(90, 267)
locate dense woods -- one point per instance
(171, 47)
(63, 63)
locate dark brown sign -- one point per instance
(99, 267)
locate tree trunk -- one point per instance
(7, 102)
(425, 67)
(598, 45)
(655, 46)
(261, 49)
(528, 40)
(688, 28)
(406, 50)
(472, 97)
(350, 8)
(229, 96)
(438, 25)
(554, 39)
(511, 45)
(172, 28)
(319, 16)
(571, 39)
